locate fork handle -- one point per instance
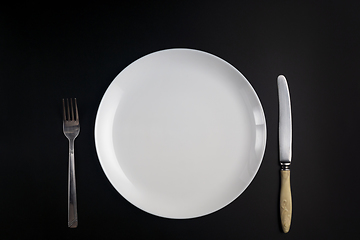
(72, 206)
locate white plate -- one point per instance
(180, 133)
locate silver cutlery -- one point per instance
(71, 128)
(285, 144)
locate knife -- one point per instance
(285, 143)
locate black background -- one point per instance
(53, 50)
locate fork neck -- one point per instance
(71, 146)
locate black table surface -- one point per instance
(45, 48)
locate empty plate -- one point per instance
(180, 133)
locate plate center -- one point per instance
(180, 135)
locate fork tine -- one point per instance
(68, 110)
(76, 111)
(64, 112)
(72, 110)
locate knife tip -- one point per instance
(281, 78)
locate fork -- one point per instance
(71, 128)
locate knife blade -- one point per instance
(285, 152)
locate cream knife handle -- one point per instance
(285, 200)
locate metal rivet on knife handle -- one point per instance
(285, 144)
